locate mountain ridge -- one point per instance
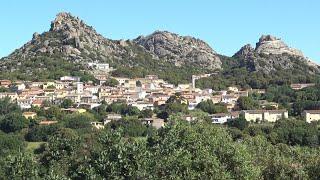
(77, 41)
(71, 40)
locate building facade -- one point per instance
(265, 115)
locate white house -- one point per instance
(192, 105)
(70, 78)
(229, 99)
(142, 94)
(142, 105)
(24, 103)
(12, 96)
(122, 81)
(183, 86)
(100, 66)
(21, 86)
(311, 115)
(200, 98)
(104, 67)
(220, 118)
(167, 85)
(92, 89)
(79, 87)
(111, 117)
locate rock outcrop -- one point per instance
(180, 49)
(272, 54)
(245, 52)
(271, 45)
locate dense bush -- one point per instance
(78, 121)
(13, 122)
(111, 82)
(131, 127)
(209, 107)
(240, 123)
(247, 103)
(41, 133)
(10, 144)
(297, 132)
(123, 108)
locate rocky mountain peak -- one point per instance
(179, 49)
(72, 28)
(272, 45)
(245, 51)
(271, 54)
(72, 39)
(65, 21)
(264, 38)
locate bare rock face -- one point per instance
(245, 51)
(35, 36)
(271, 45)
(272, 54)
(72, 39)
(179, 49)
(81, 36)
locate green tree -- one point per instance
(54, 112)
(111, 82)
(61, 152)
(13, 122)
(209, 107)
(296, 132)
(138, 83)
(41, 133)
(147, 113)
(175, 107)
(117, 107)
(66, 103)
(101, 110)
(247, 103)
(3, 89)
(121, 158)
(130, 127)
(6, 106)
(200, 147)
(176, 98)
(79, 121)
(132, 111)
(240, 123)
(123, 108)
(10, 144)
(21, 166)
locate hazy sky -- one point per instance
(226, 25)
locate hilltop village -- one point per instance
(143, 94)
